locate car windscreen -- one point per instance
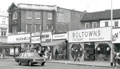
(33, 55)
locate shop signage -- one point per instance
(35, 39)
(46, 36)
(116, 36)
(90, 35)
(60, 36)
(36, 34)
(19, 38)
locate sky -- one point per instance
(80, 5)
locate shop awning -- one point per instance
(53, 43)
(7, 45)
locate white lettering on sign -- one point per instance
(60, 36)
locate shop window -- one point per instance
(76, 50)
(103, 52)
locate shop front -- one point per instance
(116, 39)
(21, 40)
(60, 49)
(95, 43)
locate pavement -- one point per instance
(85, 63)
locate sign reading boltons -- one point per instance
(89, 35)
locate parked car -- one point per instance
(30, 58)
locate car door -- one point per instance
(26, 58)
(21, 58)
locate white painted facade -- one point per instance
(3, 23)
(3, 26)
(102, 22)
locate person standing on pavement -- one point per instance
(56, 54)
(114, 58)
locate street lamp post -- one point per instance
(111, 36)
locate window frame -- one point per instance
(115, 24)
(29, 14)
(3, 20)
(49, 25)
(86, 25)
(35, 30)
(36, 13)
(27, 27)
(50, 15)
(14, 15)
(107, 23)
(3, 31)
(94, 24)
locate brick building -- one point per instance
(32, 18)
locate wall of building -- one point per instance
(3, 23)
(102, 22)
(75, 23)
(68, 20)
(90, 24)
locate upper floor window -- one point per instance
(3, 32)
(3, 20)
(14, 29)
(15, 15)
(50, 27)
(86, 25)
(29, 15)
(37, 15)
(50, 15)
(94, 25)
(116, 23)
(37, 27)
(28, 28)
(106, 24)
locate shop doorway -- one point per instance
(89, 49)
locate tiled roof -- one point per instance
(101, 15)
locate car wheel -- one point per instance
(30, 63)
(19, 63)
(43, 63)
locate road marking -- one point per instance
(17, 68)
